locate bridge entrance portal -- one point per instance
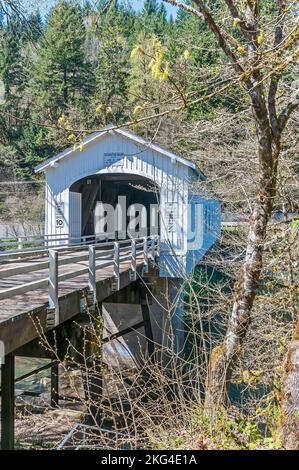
(95, 201)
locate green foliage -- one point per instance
(35, 26)
(77, 63)
(12, 64)
(62, 73)
(199, 429)
(112, 66)
(227, 432)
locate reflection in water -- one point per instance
(37, 383)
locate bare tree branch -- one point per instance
(10, 7)
(236, 14)
(278, 36)
(186, 7)
(233, 9)
(288, 110)
(103, 11)
(205, 13)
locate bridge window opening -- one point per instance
(115, 203)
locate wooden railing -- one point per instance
(26, 243)
(108, 253)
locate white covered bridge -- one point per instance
(123, 227)
(150, 189)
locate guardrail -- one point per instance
(110, 254)
(46, 241)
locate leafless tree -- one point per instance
(261, 70)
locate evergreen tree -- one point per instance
(14, 107)
(1, 18)
(18, 135)
(12, 73)
(151, 7)
(87, 9)
(162, 13)
(129, 22)
(35, 26)
(112, 69)
(144, 89)
(62, 73)
(153, 19)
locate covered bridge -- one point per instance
(120, 184)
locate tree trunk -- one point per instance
(65, 90)
(224, 357)
(289, 421)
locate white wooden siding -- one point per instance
(172, 178)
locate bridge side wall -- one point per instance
(117, 154)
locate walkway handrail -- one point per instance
(41, 242)
(144, 249)
(79, 242)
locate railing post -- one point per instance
(20, 244)
(133, 260)
(92, 273)
(145, 255)
(116, 266)
(53, 309)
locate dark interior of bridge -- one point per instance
(107, 189)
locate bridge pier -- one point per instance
(7, 402)
(25, 336)
(155, 304)
(176, 313)
(142, 303)
(148, 328)
(90, 341)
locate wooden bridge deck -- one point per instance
(20, 313)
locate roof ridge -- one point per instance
(125, 133)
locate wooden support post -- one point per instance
(147, 327)
(133, 260)
(95, 389)
(92, 273)
(53, 310)
(157, 246)
(92, 375)
(153, 248)
(7, 403)
(54, 385)
(145, 255)
(116, 266)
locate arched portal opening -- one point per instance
(98, 195)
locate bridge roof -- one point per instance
(126, 134)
